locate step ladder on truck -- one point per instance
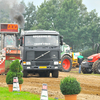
(9, 49)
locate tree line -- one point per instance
(80, 29)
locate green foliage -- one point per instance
(15, 71)
(68, 26)
(20, 80)
(9, 77)
(88, 52)
(30, 16)
(46, 15)
(69, 85)
(19, 74)
(15, 66)
(4, 12)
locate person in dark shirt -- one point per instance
(80, 59)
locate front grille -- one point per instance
(42, 63)
(42, 55)
(30, 55)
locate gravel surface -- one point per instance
(90, 85)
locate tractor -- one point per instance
(68, 58)
(92, 63)
(9, 49)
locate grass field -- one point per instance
(6, 95)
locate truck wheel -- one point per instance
(96, 67)
(47, 74)
(41, 74)
(55, 74)
(66, 63)
(25, 73)
(86, 70)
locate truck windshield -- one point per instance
(41, 40)
(10, 41)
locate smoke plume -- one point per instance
(16, 14)
(15, 11)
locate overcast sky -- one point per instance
(90, 4)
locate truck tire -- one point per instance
(55, 73)
(96, 67)
(47, 74)
(25, 73)
(66, 63)
(86, 70)
(41, 74)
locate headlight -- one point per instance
(90, 58)
(55, 62)
(26, 63)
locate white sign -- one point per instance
(15, 84)
(76, 55)
(44, 94)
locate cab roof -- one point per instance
(39, 32)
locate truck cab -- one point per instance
(9, 48)
(40, 52)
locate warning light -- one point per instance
(8, 28)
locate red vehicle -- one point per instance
(9, 49)
(92, 64)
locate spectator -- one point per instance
(80, 59)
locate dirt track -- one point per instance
(90, 85)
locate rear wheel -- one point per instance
(96, 67)
(55, 73)
(93, 66)
(66, 63)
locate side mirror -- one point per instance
(21, 41)
(61, 40)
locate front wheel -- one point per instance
(55, 73)
(25, 73)
(66, 63)
(86, 70)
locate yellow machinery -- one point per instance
(74, 59)
(68, 58)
